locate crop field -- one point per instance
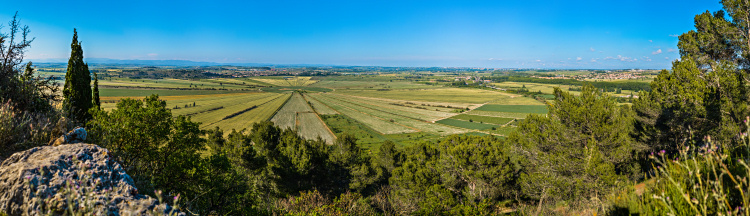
(483, 119)
(385, 119)
(498, 114)
(372, 85)
(287, 81)
(319, 107)
(310, 126)
(287, 89)
(173, 83)
(239, 114)
(538, 109)
(518, 100)
(381, 125)
(466, 124)
(226, 111)
(550, 88)
(452, 95)
(287, 115)
(296, 114)
(124, 92)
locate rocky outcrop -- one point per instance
(76, 178)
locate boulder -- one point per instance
(77, 178)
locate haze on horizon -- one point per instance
(496, 34)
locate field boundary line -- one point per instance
(318, 115)
(376, 118)
(324, 104)
(277, 109)
(398, 110)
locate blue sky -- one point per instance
(499, 34)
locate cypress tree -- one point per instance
(77, 91)
(96, 101)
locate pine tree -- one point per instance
(96, 101)
(77, 90)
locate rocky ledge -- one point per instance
(77, 178)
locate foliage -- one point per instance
(708, 180)
(95, 97)
(162, 152)
(460, 170)
(313, 203)
(21, 130)
(77, 91)
(19, 86)
(580, 151)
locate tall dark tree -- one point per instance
(706, 91)
(77, 91)
(96, 101)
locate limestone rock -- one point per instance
(79, 178)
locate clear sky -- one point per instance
(500, 34)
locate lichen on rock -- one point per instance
(76, 178)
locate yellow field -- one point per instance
(464, 96)
(291, 81)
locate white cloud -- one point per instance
(651, 41)
(666, 57)
(592, 49)
(656, 52)
(621, 58)
(671, 50)
(152, 55)
(674, 35)
(593, 60)
(578, 58)
(538, 60)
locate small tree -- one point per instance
(97, 104)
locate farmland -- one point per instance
(296, 114)
(403, 108)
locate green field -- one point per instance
(483, 119)
(466, 124)
(538, 109)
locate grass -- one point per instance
(538, 109)
(454, 95)
(483, 119)
(466, 124)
